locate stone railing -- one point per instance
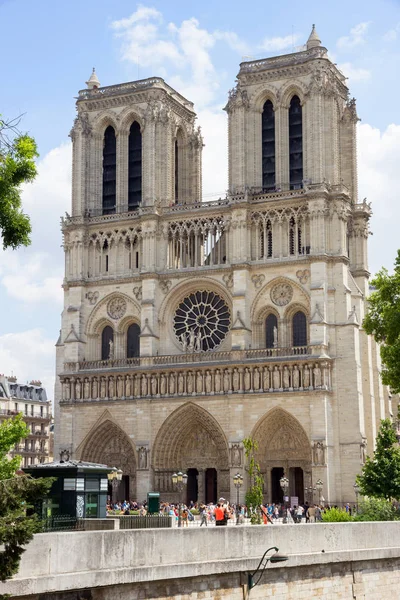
(283, 376)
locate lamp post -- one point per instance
(179, 480)
(114, 478)
(319, 485)
(252, 579)
(238, 482)
(284, 483)
(356, 491)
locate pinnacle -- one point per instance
(313, 40)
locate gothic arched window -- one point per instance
(299, 328)
(107, 336)
(133, 341)
(109, 171)
(271, 322)
(135, 166)
(295, 144)
(268, 146)
(176, 171)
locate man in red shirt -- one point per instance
(219, 515)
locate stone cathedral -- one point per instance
(190, 325)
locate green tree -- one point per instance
(18, 494)
(17, 166)
(376, 509)
(383, 321)
(254, 495)
(380, 476)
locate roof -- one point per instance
(79, 465)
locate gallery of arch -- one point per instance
(190, 325)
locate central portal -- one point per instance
(276, 490)
(211, 486)
(192, 486)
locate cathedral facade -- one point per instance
(188, 325)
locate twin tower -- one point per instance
(188, 325)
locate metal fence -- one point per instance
(146, 522)
(62, 523)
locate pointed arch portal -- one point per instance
(283, 449)
(191, 440)
(108, 444)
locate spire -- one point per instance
(313, 40)
(93, 83)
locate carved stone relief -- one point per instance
(116, 308)
(281, 294)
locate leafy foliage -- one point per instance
(18, 494)
(336, 515)
(380, 476)
(376, 509)
(254, 495)
(17, 166)
(383, 321)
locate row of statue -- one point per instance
(191, 342)
(307, 376)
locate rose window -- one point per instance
(201, 321)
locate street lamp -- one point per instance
(284, 483)
(179, 480)
(356, 489)
(114, 477)
(319, 485)
(238, 482)
(273, 558)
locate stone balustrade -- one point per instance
(200, 380)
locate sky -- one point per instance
(48, 50)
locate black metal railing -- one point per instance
(62, 523)
(146, 522)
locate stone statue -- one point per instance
(163, 385)
(189, 383)
(319, 458)
(198, 342)
(199, 382)
(95, 388)
(120, 386)
(192, 340)
(144, 385)
(137, 382)
(142, 458)
(127, 386)
(247, 382)
(363, 451)
(111, 388)
(208, 380)
(256, 379)
(86, 388)
(172, 383)
(181, 383)
(184, 343)
(285, 378)
(235, 380)
(217, 381)
(235, 454)
(153, 385)
(102, 387)
(306, 377)
(296, 378)
(78, 389)
(276, 378)
(266, 379)
(227, 380)
(111, 350)
(67, 390)
(275, 337)
(317, 377)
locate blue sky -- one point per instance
(50, 48)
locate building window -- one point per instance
(176, 172)
(299, 325)
(133, 341)
(32, 410)
(271, 331)
(109, 171)
(16, 407)
(295, 144)
(135, 166)
(268, 147)
(26, 409)
(107, 341)
(41, 411)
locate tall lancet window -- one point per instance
(176, 172)
(135, 166)
(109, 171)
(295, 144)
(268, 147)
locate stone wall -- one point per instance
(358, 561)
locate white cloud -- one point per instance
(392, 34)
(275, 44)
(143, 13)
(356, 37)
(29, 355)
(354, 73)
(233, 41)
(378, 174)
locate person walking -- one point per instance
(203, 515)
(219, 512)
(311, 511)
